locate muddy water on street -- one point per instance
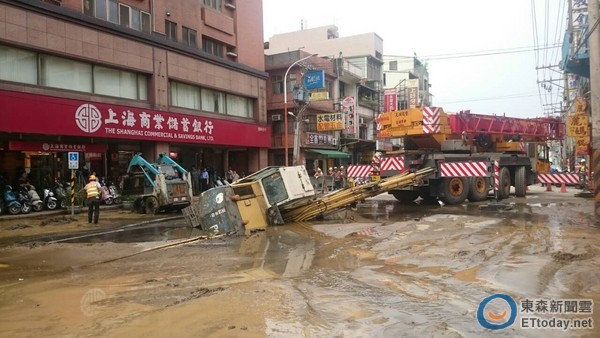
(425, 272)
(385, 270)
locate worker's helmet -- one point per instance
(330, 168)
(92, 177)
(582, 160)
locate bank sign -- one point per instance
(36, 114)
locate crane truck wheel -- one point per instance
(504, 190)
(406, 196)
(478, 190)
(520, 183)
(151, 205)
(454, 190)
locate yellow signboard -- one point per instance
(333, 121)
(582, 145)
(319, 96)
(580, 105)
(578, 126)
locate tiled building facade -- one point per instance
(108, 78)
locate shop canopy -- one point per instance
(329, 153)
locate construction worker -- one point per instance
(582, 174)
(582, 166)
(92, 190)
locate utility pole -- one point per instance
(594, 50)
(567, 143)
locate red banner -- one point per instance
(38, 114)
(390, 100)
(57, 147)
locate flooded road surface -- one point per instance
(383, 270)
(161, 230)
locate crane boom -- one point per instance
(536, 129)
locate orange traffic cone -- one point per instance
(563, 187)
(548, 187)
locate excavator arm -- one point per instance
(165, 159)
(137, 161)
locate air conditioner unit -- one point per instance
(334, 141)
(232, 54)
(276, 117)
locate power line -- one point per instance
(478, 53)
(505, 97)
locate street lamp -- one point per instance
(285, 111)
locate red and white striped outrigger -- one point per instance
(447, 169)
(359, 171)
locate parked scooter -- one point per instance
(11, 202)
(50, 202)
(61, 195)
(25, 200)
(105, 196)
(36, 202)
(112, 189)
(108, 193)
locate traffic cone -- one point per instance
(563, 187)
(548, 187)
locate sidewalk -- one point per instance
(57, 211)
(67, 211)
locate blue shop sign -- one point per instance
(314, 79)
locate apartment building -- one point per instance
(358, 90)
(108, 78)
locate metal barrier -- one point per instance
(558, 178)
(191, 216)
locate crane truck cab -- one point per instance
(161, 186)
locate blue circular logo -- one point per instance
(501, 322)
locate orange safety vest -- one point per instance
(92, 190)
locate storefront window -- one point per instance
(239, 106)
(184, 95)
(63, 73)
(213, 101)
(115, 82)
(18, 65)
(21, 66)
(193, 97)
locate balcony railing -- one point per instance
(352, 69)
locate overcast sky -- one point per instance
(448, 36)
